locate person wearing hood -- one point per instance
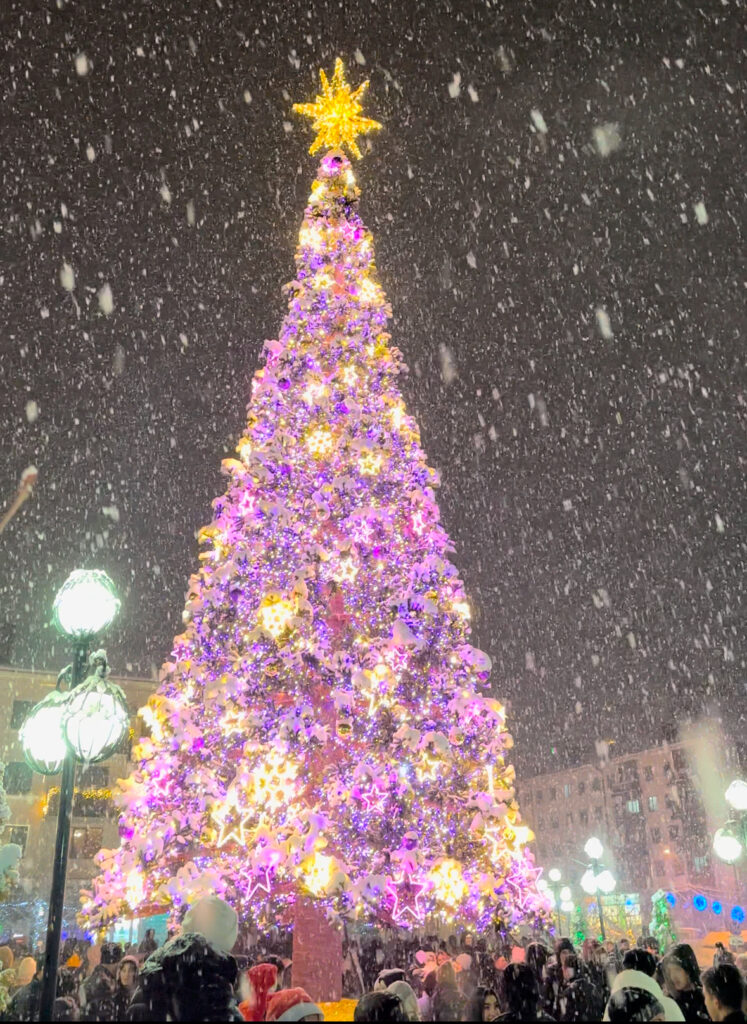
(682, 980)
(522, 995)
(294, 1004)
(407, 997)
(633, 981)
(127, 972)
(212, 917)
(98, 993)
(724, 992)
(262, 982)
(187, 979)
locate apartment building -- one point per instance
(655, 811)
(33, 798)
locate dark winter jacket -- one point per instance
(25, 1003)
(692, 1004)
(577, 1000)
(98, 996)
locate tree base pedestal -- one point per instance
(317, 953)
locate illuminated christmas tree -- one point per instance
(324, 727)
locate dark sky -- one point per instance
(561, 229)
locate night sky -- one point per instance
(557, 200)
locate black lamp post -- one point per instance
(85, 724)
(597, 879)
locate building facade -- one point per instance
(33, 798)
(655, 812)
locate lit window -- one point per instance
(86, 843)
(634, 807)
(653, 803)
(566, 789)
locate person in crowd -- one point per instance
(482, 1006)
(724, 993)
(448, 1004)
(639, 968)
(407, 997)
(149, 944)
(682, 981)
(723, 955)
(741, 962)
(212, 917)
(633, 1004)
(425, 1001)
(7, 959)
(593, 958)
(98, 993)
(187, 979)
(127, 972)
(25, 1003)
(262, 981)
(295, 1004)
(381, 1005)
(537, 959)
(576, 1000)
(387, 977)
(521, 995)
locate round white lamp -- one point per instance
(85, 605)
(727, 845)
(593, 848)
(42, 735)
(736, 795)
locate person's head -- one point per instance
(723, 990)
(651, 943)
(407, 997)
(378, 1006)
(447, 1003)
(624, 946)
(561, 945)
(723, 955)
(27, 969)
(633, 1004)
(258, 984)
(445, 974)
(483, 1005)
(127, 972)
(570, 964)
(387, 977)
(150, 934)
(681, 971)
(640, 960)
(521, 990)
(212, 917)
(429, 983)
(536, 959)
(111, 954)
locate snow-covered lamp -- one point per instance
(736, 795)
(554, 875)
(85, 604)
(727, 845)
(42, 735)
(97, 719)
(606, 882)
(593, 848)
(589, 882)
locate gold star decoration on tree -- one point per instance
(335, 114)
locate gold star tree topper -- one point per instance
(335, 114)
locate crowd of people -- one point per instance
(197, 975)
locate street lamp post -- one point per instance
(87, 724)
(597, 879)
(730, 841)
(554, 876)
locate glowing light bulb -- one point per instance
(320, 442)
(276, 615)
(318, 875)
(462, 608)
(370, 462)
(448, 882)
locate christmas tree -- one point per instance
(661, 925)
(324, 728)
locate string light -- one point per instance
(276, 615)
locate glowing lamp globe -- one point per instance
(606, 882)
(589, 882)
(736, 795)
(42, 735)
(567, 906)
(97, 720)
(565, 893)
(593, 848)
(554, 875)
(85, 605)
(726, 845)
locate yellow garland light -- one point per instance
(448, 883)
(276, 614)
(134, 889)
(320, 442)
(335, 114)
(318, 873)
(350, 376)
(369, 292)
(462, 608)
(370, 462)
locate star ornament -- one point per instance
(335, 115)
(406, 893)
